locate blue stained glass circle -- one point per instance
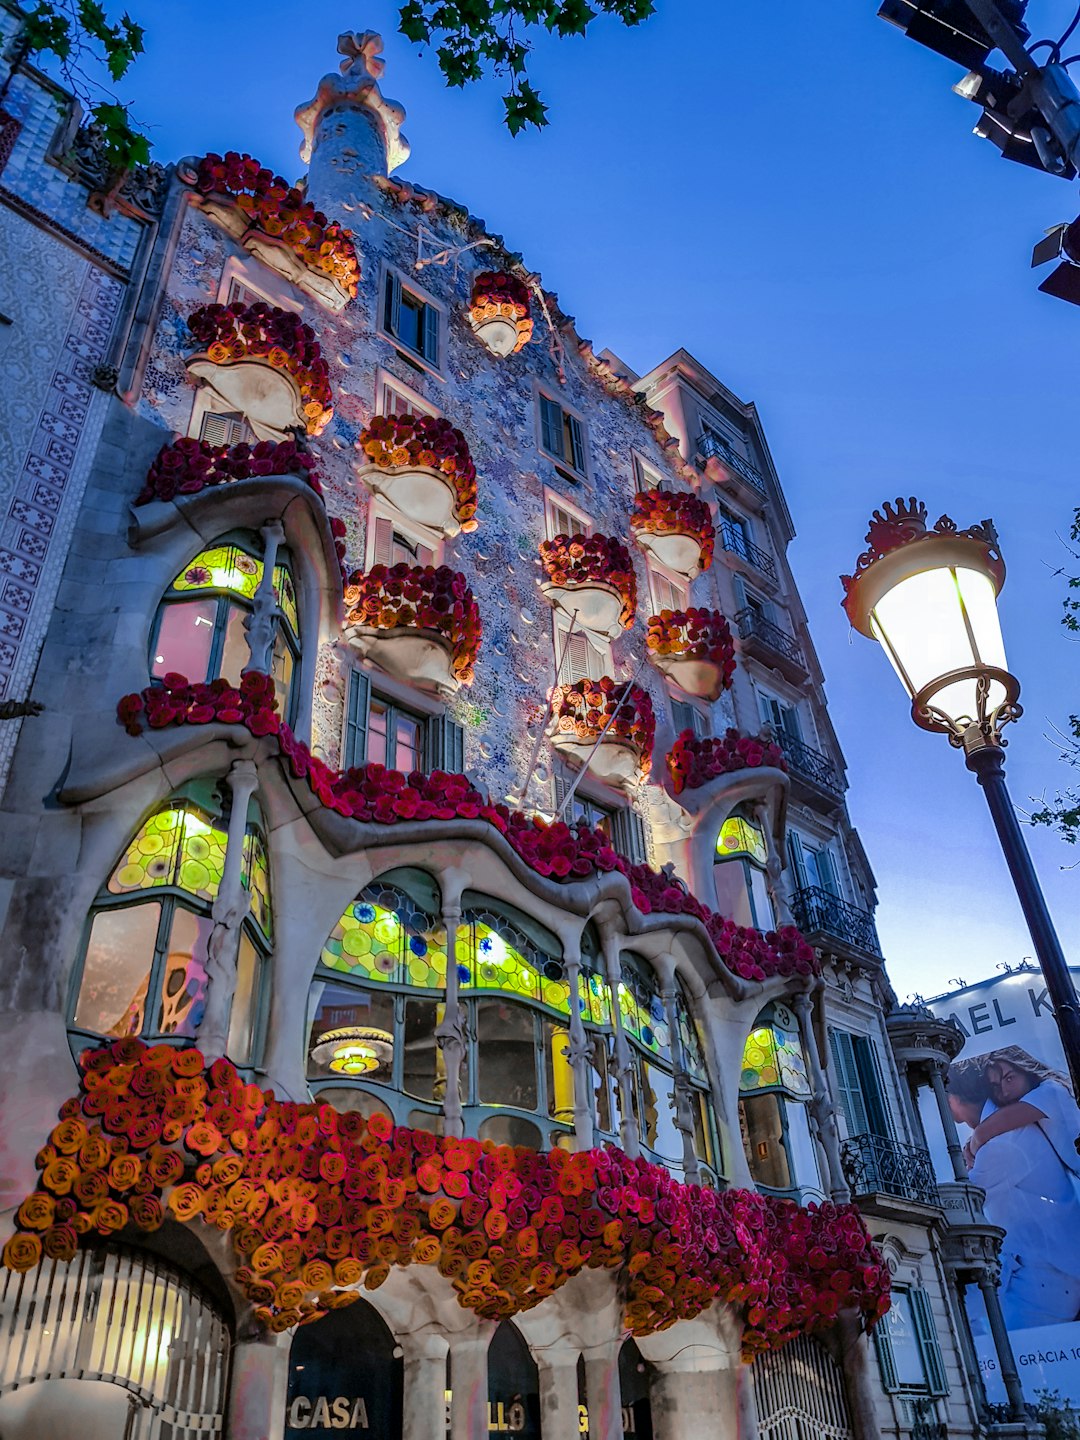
(364, 913)
(647, 1035)
(418, 945)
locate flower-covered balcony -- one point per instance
(499, 313)
(695, 760)
(188, 466)
(592, 577)
(420, 625)
(607, 725)
(272, 220)
(675, 528)
(422, 465)
(694, 649)
(264, 362)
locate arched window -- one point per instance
(742, 853)
(775, 1089)
(143, 967)
(199, 631)
(644, 1019)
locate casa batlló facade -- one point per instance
(439, 985)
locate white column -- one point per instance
(683, 1097)
(692, 1401)
(822, 1108)
(258, 1388)
(230, 907)
(424, 1406)
(450, 1031)
(579, 1053)
(559, 1395)
(469, 1383)
(603, 1394)
(628, 1133)
(260, 620)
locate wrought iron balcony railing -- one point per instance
(715, 447)
(924, 1422)
(754, 626)
(819, 912)
(809, 764)
(874, 1165)
(735, 540)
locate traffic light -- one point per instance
(1061, 243)
(949, 27)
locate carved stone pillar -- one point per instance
(450, 1031)
(230, 906)
(579, 1054)
(557, 1372)
(948, 1124)
(688, 1401)
(424, 1400)
(261, 620)
(628, 1134)
(822, 1107)
(682, 1100)
(469, 1385)
(259, 1388)
(603, 1394)
(1010, 1377)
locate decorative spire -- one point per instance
(357, 84)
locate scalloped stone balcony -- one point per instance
(419, 625)
(592, 577)
(264, 362)
(675, 528)
(606, 725)
(422, 466)
(694, 649)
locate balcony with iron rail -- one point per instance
(735, 542)
(813, 775)
(882, 1171)
(766, 641)
(833, 924)
(711, 446)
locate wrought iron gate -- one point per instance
(800, 1394)
(117, 1316)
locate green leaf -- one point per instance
(524, 108)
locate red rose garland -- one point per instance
(415, 597)
(372, 794)
(237, 332)
(398, 441)
(280, 210)
(585, 707)
(573, 560)
(696, 634)
(316, 1201)
(496, 294)
(694, 761)
(675, 512)
(187, 466)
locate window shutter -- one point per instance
(576, 664)
(383, 549)
(223, 429)
(929, 1346)
(872, 1085)
(798, 860)
(577, 446)
(357, 705)
(847, 1086)
(628, 835)
(561, 785)
(886, 1360)
(687, 717)
(392, 314)
(424, 556)
(444, 745)
(431, 335)
(551, 427)
(741, 600)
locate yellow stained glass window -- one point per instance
(693, 1052)
(741, 837)
(179, 845)
(256, 880)
(232, 569)
(773, 1056)
(496, 955)
(594, 994)
(384, 936)
(641, 1009)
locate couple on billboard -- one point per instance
(1021, 1151)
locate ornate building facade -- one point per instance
(438, 978)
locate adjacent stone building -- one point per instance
(413, 710)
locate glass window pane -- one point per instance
(348, 1097)
(376, 741)
(423, 1071)
(256, 879)
(282, 665)
(506, 1047)
(286, 597)
(511, 1130)
(602, 1084)
(224, 567)
(802, 1149)
(184, 980)
(245, 1001)
(235, 653)
(407, 731)
(351, 1033)
(656, 1115)
(384, 936)
(763, 1139)
(410, 325)
(900, 1322)
(703, 1127)
(559, 1072)
(185, 636)
(119, 954)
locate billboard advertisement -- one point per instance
(1018, 1122)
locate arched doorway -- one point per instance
(513, 1385)
(116, 1343)
(800, 1391)
(634, 1382)
(344, 1375)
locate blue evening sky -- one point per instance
(791, 191)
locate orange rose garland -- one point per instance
(675, 512)
(424, 598)
(696, 634)
(319, 1200)
(496, 295)
(280, 210)
(402, 441)
(233, 333)
(585, 707)
(573, 560)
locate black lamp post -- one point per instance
(929, 596)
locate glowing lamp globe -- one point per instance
(929, 596)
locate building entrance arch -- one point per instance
(345, 1377)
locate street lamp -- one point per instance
(929, 596)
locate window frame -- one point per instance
(935, 1383)
(554, 501)
(678, 585)
(381, 512)
(598, 656)
(388, 384)
(573, 429)
(645, 475)
(393, 284)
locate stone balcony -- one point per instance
(769, 643)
